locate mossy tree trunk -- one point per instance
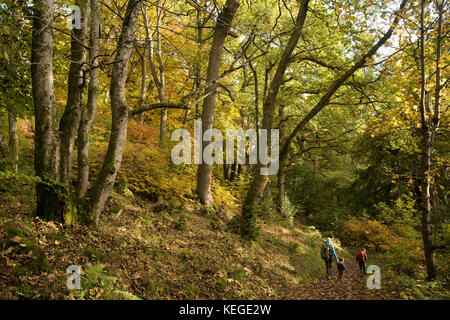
(281, 170)
(71, 117)
(259, 181)
(50, 206)
(120, 116)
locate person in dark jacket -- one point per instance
(341, 268)
(362, 259)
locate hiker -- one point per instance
(362, 259)
(341, 268)
(327, 252)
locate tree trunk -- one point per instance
(71, 117)
(3, 148)
(88, 113)
(256, 92)
(13, 141)
(142, 56)
(226, 170)
(161, 81)
(198, 64)
(281, 172)
(429, 127)
(119, 109)
(425, 203)
(235, 170)
(223, 25)
(46, 161)
(259, 181)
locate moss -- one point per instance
(174, 204)
(14, 231)
(152, 287)
(181, 223)
(24, 291)
(191, 291)
(23, 240)
(94, 255)
(70, 214)
(238, 274)
(222, 282)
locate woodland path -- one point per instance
(351, 287)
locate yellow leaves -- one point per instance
(370, 61)
(375, 234)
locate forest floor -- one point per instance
(177, 253)
(351, 287)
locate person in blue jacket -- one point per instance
(327, 253)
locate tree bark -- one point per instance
(142, 56)
(3, 148)
(198, 64)
(159, 79)
(46, 161)
(119, 109)
(221, 29)
(88, 112)
(71, 117)
(13, 141)
(281, 172)
(429, 127)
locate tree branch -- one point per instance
(158, 105)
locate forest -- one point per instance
(207, 149)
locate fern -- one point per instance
(124, 295)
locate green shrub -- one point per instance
(288, 211)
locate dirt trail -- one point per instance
(351, 287)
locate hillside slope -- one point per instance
(176, 253)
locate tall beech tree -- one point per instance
(71, 117)
(120, 116)
(88, 112)
(221, 31)
(259, 181)
(46, 161)
(430, 118)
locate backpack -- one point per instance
(341, 266)
(325, 250)
(361, 257)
